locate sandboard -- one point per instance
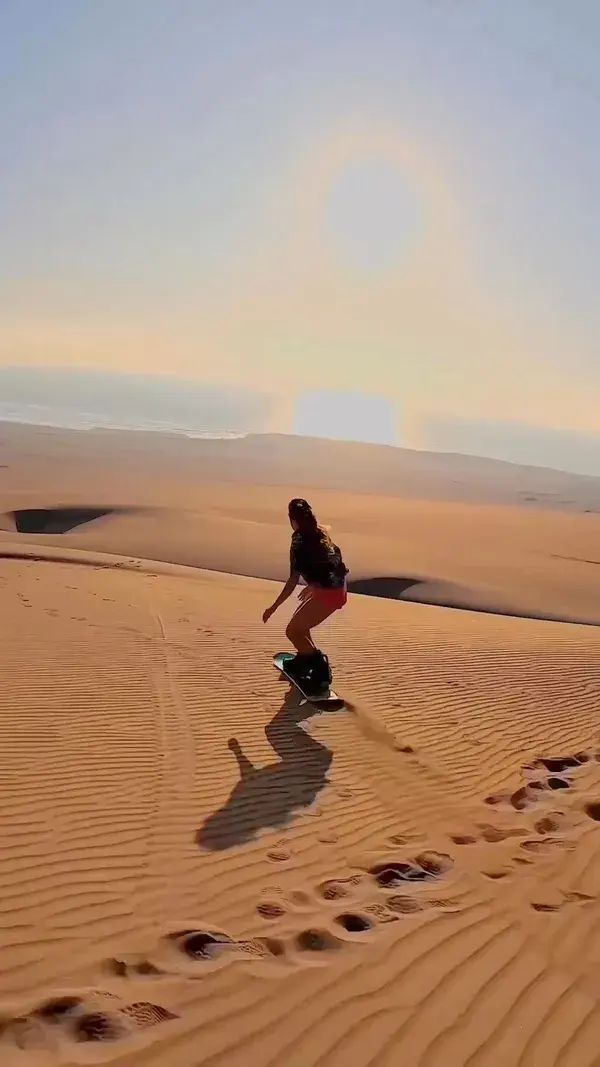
(325, 698)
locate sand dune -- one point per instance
(195, 870)
(153, 467)
(495, 559)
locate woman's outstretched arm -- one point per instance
(286, 592)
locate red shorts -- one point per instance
(333, 598)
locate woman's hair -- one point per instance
(300, 511)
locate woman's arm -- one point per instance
(286, 592)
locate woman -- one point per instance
(315, 558)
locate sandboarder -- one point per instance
(315, 558)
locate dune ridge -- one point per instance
(533, 581)
(196, 870)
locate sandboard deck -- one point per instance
(330, 697)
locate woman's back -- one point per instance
(317, 559)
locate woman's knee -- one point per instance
(292, 631)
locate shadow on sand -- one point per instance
(386, 588)
(267, 797)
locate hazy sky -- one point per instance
(381, 196)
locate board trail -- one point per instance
(329, 697)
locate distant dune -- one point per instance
(455, 531)
(279, 459)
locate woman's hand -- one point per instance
(304, 594)
(267, 613)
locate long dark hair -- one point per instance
(302, 514)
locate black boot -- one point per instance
(299, 666)
(320, 672)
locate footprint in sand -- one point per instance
(424, 867)
(574, 897)
(551, 823)
(334, 889)
(269, 910)
(196, 952)
(463, 839)
(316, 940)
(353, 923)
(532, 847)
(566, 899)
(193, 952)
(547, 828)
(492, 835)
(550, 776)
(559, 764)
(72, 1019)
(496, 874)
(327, 837)
(141, 968)
(324, 939)
(548, 834)
(278, 855)
(541, 846)
(300, 898)
(274, 902)
(402, 905)
(201, 945)
(527, 795)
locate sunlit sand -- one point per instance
(195, 869)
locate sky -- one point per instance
(383, 213)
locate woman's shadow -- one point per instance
(268, 796)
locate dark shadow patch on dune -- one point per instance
(387, 588)
(442, 594)
(58, 520)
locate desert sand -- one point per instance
(197, 871)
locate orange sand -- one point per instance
(196, 871)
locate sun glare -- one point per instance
(374, 216)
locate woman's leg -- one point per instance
(310, 613)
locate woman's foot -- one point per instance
(318, 674)
(320, 669)
(299, 666)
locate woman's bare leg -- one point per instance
(309, 614)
